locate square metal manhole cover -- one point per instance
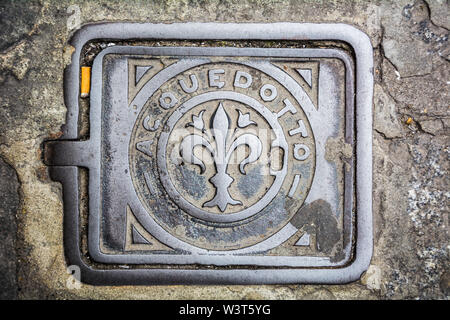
(217, 153)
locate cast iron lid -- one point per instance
(217, 153)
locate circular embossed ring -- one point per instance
(221, 179)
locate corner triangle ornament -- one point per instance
(200, 164)
(138, 238)
(140, 72)
(306, 74)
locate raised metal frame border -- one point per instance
(93, 164)
(68, 175)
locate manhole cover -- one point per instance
(217, 153)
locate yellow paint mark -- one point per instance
(85, 81)
(409, 121)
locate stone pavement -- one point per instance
(411, 142)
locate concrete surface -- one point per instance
(411, 142)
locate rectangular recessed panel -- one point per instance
(209, 161)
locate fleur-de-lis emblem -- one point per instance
(219, 148)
